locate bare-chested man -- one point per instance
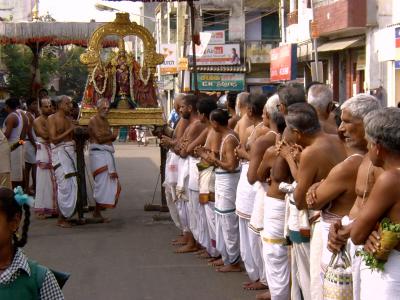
(289, 94)
(274, 170)
(241, 111)
(226, 178)
(171, 167)
(231, 99)
(321, 153)
(46, 186)
(320, 96)
(245, 194)
(61, 131)
(13, 129)
(335, 196)
(106, 188)
(382, 128)
(188, 177)
(30, 145)
(204, 107)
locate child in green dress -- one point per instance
(20, 278)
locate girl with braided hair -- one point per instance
(20, 278)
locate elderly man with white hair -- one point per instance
(61, 130)
(320, 96)
(102, 163)
(336, 195)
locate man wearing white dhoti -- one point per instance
(171, 166)
(102, 163)
(187, 182)
(61, 131)
(246, 194)
(336, 195)
(13, 130)
(198, 219)
(382, 129)
(274, 170)
(226, 178)
(46, 186)
(321, 153)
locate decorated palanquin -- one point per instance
(127, 84)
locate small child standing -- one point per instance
(20, 278)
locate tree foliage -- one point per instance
(61, 62)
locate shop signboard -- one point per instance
(170, 64)
(220, 82)
(228, 54)
(284, 63)
(212, 37)
(183, 64)
(258, 52)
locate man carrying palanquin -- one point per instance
(102, 163)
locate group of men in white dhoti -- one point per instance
(289, 191)
(49, 151)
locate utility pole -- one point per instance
(192, 24)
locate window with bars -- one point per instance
(216, 20)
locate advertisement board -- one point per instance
(397, 48)
(215, 37)
(220, 81)
(228, 54)
(170, 64)
(284, 63)
(258, 52)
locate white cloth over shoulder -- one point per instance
(193, 174)
(183, 177)
(257, 217)
(64, 164)
(245, 195)
(225, 190)
(106, 184)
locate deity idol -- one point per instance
(122, 82)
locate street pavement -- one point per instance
(131, 257)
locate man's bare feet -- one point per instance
(180, 241)
(229, 268)
(187, 249)
(64, 224)
(201, 252)
(205, 255)
(255, 286)
(264, 296)
(216, 262)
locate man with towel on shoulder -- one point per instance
(61, 131)
(102, 163)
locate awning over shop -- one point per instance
(342, 44)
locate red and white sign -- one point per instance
(215, 37)
(228, 54)
(284, 63)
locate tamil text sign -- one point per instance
(170, 64)
(284, 63)
(228, 54)
(220, 81)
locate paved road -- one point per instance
(130, 258)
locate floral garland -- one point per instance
(131, 83)
(114, 90)
(101, 92)
(145, 81)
